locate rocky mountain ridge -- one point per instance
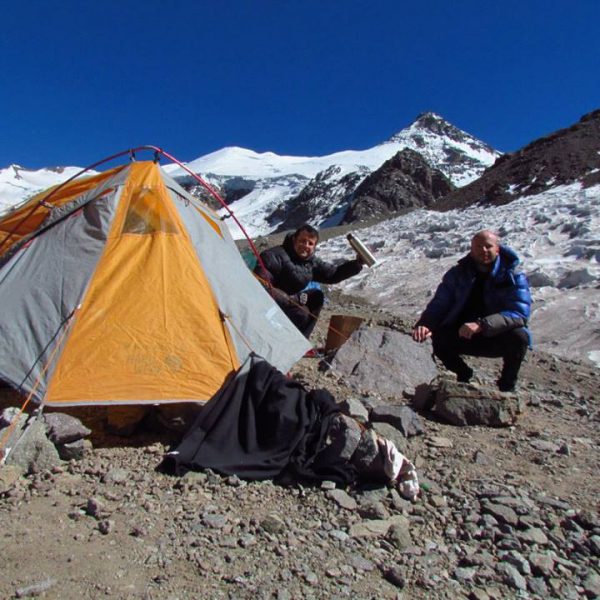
(563, 157)
(408, 180)
(459, 157)
(404, 181)
(269, 192)
(325, 200)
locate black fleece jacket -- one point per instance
(289, 274)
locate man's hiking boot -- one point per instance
(507, 385)
(464, 375)
(508, 378)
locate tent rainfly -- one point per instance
(122, 288)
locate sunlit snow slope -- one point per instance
(556, 233)
(17, 184)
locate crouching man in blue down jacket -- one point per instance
(481, 308)
(287, 269)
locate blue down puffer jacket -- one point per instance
(506, 296)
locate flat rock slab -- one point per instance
(403, 418)
(437, 441)
(343, 499)
(377, 527)
(462, 404)
(384, 361)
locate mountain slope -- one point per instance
(404, 181)
(17, 183)
(323, 200)
(269, 192)
(568, 155)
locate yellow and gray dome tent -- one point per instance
(122, 288)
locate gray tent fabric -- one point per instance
(61, 212)
(40, 289)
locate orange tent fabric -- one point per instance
(124, 328)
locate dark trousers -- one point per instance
(304, 317)
(511, 346)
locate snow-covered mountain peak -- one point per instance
(434, 123)
(459, 155)
(16, 170)
(234, 161)
(455, 152)
(273, 191)
(260, 185)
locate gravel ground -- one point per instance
(503, 513)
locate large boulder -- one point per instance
(34, 452)
(64, 429)
(384, 361)
(15, 419)
(463, 404)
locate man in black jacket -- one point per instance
(289, 268)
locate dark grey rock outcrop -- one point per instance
(565, 156)
(403, 182)
(34, 452)
(64, 429)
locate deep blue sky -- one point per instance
(82, 80)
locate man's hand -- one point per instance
(468, 330)
(421, 333)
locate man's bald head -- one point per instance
(487, 234)
(485, 246)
